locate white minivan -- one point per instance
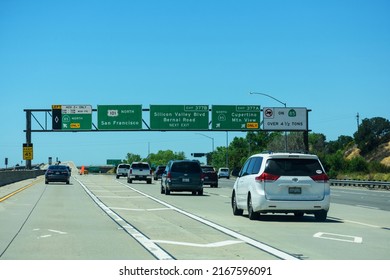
(282, 183)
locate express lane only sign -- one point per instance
(72, 117)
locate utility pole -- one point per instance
(357, 120)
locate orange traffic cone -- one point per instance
(82, 170)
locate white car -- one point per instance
(282, 183)
(223, 172)
(122, 170)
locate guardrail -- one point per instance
(9, 177)
(357, 183)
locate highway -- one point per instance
(99, 217)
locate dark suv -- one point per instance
(158, 172)
(210, 176)
(182, 175)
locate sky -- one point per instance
(332, 57)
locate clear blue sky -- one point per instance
(332, 57)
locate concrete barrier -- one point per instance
(9, 177)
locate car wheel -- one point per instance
(46, 182)
(129, 181)
(236, 211)
(200, 192)
(67, 182)
(149, 181)
(167, 192)
(251, 214)
(321, 215)
(117, 176)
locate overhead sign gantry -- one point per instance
(78, 118)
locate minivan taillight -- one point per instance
(169, 175)
(266, 177)
(320, 178)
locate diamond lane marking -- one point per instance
(338, 237)
(209, 245)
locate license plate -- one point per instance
(186, 180)
(294, 190)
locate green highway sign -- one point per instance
(75, 117)
(235, 117)
(179, 117)
(119, 117)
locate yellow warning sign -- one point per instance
(27, 152)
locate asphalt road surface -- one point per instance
(101, 217)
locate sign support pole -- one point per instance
(28, 135)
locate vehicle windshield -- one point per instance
(293, 167)
(186, 167)
(124, 166)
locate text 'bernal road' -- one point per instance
(179, 117)
(119, 117)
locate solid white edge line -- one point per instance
(148, 244)
(273, 251)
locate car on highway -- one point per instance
(140, 171)
(158, 172)
(57, 173)
(223, 172)
(210, 176)
(182, 175)
(281, 183)
(122, 170)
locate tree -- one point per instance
(317, 143)
(258, 141)
(342, 143)
(371, 133)
(162, 157)
(238, 152)
(130, 157)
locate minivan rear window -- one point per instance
(186, 167)
(293, 167)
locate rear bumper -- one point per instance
(184, 188)
(140, 177)
(57, 178)
(261, 204)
